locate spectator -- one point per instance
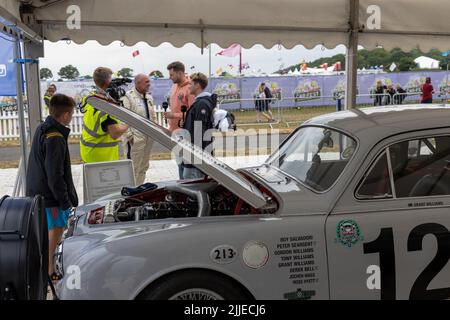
(49, 173)
(137, 145)
(268, 100)
(180, 96)
(390, 93)
(401, 94)
(199, 116)
(51, 90)
(261, 104)
(379, 93)
(427, 91)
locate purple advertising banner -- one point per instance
(288, 91)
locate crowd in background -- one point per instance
(388, 95)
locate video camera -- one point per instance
(117, 88)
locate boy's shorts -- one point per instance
(56, 217)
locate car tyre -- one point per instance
(194, 285)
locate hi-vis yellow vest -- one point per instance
(96, 145)
(47, 101)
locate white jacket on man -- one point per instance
(137, 146)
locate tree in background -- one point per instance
(407, 64)
(45, 74)
(88, 77)
(226, 75)
(156, 74)
(69, 72)
(125, 73)
(378, 57)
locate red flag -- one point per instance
(337, 66)
(135, 53)
(232, 51)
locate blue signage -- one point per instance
(7, 67)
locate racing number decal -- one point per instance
(224, 254)
(419, 289)
(384, 245)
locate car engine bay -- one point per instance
(196, 199)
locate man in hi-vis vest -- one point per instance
(101, 132)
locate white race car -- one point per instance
(354, 205)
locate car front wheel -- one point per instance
(194, 285)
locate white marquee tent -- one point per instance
(406, 24)
(402, 23)
(398, 23)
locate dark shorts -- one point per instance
(56, 217)
(262, 106)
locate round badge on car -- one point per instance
(255, 254)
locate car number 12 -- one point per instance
(384, 245)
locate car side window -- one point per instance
(421, 167)
(418, 168)
(376, 183)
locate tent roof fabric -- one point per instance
(403, 23)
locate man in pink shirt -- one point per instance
(180, 96)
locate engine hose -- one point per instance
(204, 205)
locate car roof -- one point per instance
(373, 124)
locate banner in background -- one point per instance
(291, 91)
(7, 67)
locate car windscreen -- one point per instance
(315, 156)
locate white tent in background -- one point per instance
(427, 63)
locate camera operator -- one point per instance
(99, 139)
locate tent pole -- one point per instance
(210, 74)
(352, 56)
(21, 112)
(240, 78)
(33, 51)
(447, 88)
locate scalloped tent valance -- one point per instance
(398, 23)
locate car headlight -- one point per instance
(58, 260)
(71, 224)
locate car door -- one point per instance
(388, 237)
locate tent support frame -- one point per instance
(351, 58)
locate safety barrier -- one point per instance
(273, 105)
(300, 110)
(9, 123)
(303, 108)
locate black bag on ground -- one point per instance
(23, 249)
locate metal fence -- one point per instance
(300, 110)
(9, 123)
